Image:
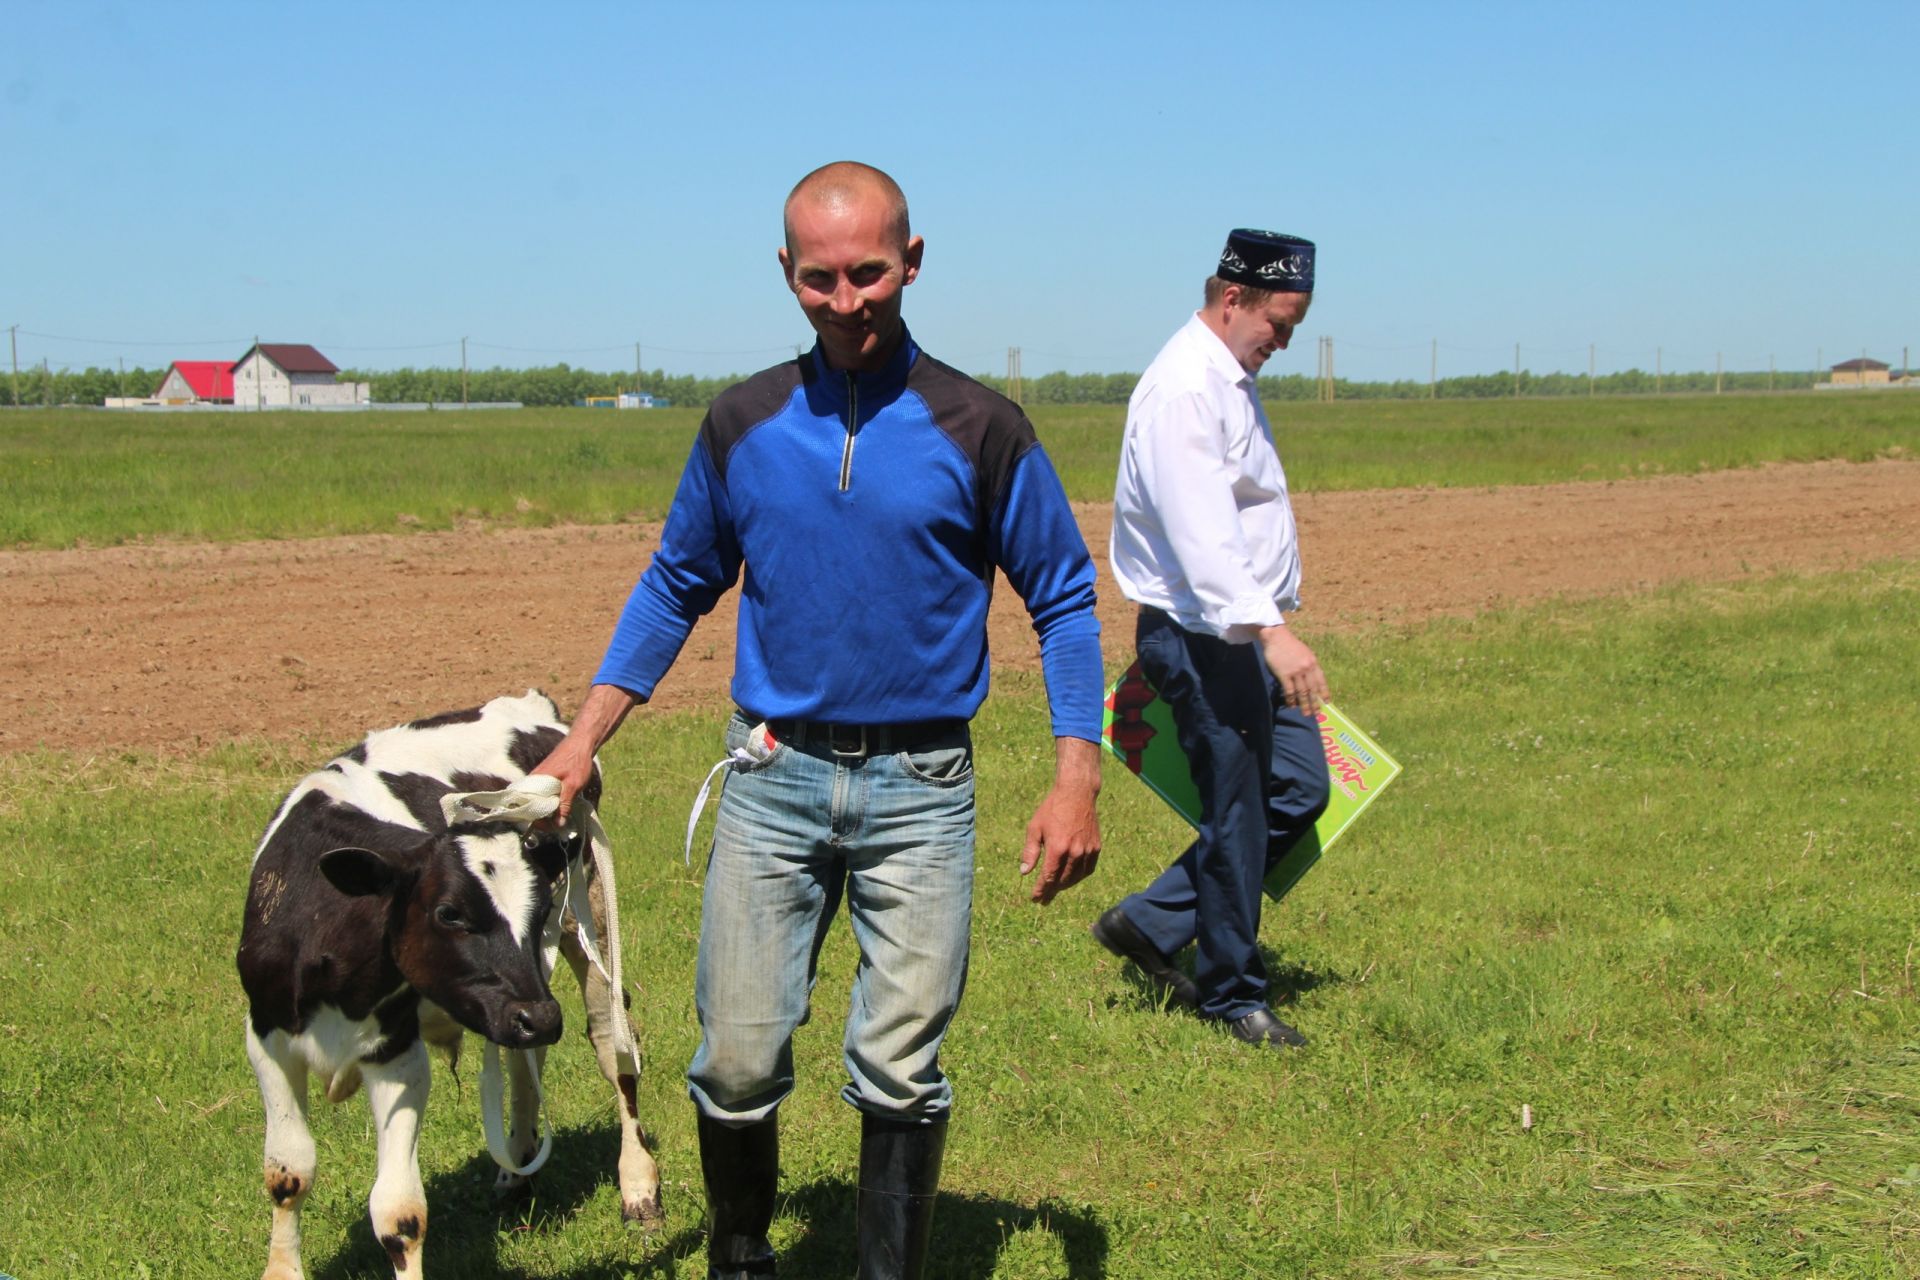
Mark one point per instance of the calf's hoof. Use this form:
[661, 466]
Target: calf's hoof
[645, 1210]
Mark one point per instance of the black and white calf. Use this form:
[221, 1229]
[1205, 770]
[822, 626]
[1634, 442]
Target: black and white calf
[375, 928]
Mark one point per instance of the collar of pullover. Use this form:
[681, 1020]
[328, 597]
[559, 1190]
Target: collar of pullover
[882, 384]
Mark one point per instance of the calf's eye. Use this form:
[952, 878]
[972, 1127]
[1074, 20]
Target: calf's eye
[449, 917]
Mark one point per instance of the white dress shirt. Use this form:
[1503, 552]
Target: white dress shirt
[1202, 528]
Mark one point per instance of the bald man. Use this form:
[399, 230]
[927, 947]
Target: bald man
[867, 494]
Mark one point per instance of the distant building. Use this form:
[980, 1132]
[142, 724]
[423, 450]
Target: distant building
[640, 400]
[196, 382]
[1861, 372]
[288, 375]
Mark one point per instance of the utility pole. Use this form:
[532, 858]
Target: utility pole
[13, 341]
[636, 367]
[1589, 369]
[123, 377]
[463, 373]
[1016, 390]
[1769, 372]
[46, 383]
[259, 383]
[1656, 371]
[1433, 372]
[1716, 373]
[1516, 368]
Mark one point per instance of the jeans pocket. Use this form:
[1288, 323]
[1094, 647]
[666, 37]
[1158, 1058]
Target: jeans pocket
[764, 748]
[939, 766]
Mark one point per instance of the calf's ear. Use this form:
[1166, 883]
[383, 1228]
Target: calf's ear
[359, 873]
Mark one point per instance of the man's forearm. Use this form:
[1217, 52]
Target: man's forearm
[1076, 765]
[605, 706]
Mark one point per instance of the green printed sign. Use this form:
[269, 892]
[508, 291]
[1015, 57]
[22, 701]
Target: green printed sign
[1138, 729]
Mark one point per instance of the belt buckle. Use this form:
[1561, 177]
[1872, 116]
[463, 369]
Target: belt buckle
[834, 741]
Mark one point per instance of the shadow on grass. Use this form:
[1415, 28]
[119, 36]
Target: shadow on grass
[465, 1217]
[466, 1221]
[1286, 981]
[969, 1232]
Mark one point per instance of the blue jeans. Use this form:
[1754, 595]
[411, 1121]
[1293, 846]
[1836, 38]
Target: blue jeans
[894, 834]
[1262, 774]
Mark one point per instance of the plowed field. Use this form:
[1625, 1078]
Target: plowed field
[184, 645]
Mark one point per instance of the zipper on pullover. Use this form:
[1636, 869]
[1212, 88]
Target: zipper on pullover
[853, 424]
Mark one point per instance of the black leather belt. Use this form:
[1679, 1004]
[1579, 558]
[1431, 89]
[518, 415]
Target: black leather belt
[858, 741]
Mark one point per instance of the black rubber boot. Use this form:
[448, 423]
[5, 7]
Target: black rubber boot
[741, 1167]
[899, 1176]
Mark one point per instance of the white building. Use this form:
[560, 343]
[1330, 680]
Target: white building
[288, 375]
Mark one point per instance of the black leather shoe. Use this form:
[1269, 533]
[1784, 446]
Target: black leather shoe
[1116, 933]
[1262, 1028]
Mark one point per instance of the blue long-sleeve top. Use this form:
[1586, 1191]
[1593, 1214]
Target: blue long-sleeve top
[869, 512]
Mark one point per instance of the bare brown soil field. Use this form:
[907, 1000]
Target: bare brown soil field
[180, 646]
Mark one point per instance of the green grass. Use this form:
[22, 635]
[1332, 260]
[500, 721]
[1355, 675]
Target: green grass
[1650, 871]
[96, 477]
[76, 477]
[1463, 443]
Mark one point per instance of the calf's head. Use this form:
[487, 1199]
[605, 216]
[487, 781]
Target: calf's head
[464, 917]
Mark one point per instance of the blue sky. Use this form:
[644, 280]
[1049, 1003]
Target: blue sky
[557, 182]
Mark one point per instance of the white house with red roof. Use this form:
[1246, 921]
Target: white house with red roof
[196, 382]
[291, 375]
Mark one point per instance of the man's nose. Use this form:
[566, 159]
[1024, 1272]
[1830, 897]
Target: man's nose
[845, 300]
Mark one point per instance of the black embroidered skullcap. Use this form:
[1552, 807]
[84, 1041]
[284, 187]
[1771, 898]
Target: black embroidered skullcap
[1267, 260]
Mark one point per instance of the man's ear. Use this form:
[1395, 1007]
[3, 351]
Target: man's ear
[786, 266]
[916, 248]
[360, 873]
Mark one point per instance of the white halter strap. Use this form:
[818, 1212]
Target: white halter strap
[535, 797]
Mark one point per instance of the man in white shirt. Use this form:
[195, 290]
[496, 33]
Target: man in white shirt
[1204, 542]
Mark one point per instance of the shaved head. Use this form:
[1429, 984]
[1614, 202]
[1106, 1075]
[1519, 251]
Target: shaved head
[846, 183]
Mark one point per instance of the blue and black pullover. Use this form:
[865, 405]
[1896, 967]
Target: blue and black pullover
[870, 512]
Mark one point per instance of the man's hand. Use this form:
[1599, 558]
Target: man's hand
[605, 707]
[1302, 683]
[1064, 828]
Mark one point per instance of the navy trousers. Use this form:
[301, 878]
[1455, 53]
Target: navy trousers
[1262, 775]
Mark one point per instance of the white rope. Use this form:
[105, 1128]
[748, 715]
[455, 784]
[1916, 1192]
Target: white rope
[493, 1112]
[533, 798]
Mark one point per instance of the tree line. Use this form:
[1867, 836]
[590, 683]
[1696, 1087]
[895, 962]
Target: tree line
[1116, 388]
[561, 384]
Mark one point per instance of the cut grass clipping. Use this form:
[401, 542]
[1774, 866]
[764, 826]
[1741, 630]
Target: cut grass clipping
[1648, 879]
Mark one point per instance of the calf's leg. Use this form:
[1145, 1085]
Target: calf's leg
[282, 1074]
[639, 1176]
[397, 1093]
